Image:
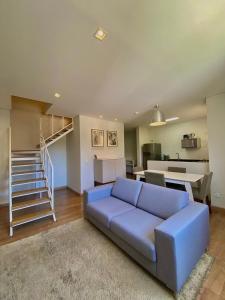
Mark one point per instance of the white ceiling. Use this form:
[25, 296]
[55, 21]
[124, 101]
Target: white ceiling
[166, 52]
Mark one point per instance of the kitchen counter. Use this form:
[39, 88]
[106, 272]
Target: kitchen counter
[186, 160]
[195, 167]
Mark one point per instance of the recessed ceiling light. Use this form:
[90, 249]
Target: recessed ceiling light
[136, 112]
[172, 119]
[100, 34]
[100, 116]
[115, 119]
[57, 95]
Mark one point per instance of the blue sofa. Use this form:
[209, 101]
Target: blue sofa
[158, 227]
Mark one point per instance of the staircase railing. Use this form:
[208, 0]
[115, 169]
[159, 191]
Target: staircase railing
[53, 128]
[48, 171]
[65, 127]
[10, 182]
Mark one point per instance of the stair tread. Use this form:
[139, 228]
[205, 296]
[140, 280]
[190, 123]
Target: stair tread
[28, 180]
[29, 203]
[29, 192]
[26, 159]
[31, 217]
[27, 172]
[25, 150]
[25, 163]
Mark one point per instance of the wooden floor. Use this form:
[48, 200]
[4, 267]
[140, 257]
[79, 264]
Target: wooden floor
[214, 285]
[69, 207]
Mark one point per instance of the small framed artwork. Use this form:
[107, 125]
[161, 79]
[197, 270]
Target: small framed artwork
[97, 138]
[112, 139]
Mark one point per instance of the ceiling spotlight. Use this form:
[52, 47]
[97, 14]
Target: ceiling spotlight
[158, 118]
[136, 112]
[115, 119]
[100, 34]
[101, 116]
[57, 95]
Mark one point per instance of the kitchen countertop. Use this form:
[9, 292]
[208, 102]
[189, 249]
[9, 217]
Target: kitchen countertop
[192, 166]
[184, 160]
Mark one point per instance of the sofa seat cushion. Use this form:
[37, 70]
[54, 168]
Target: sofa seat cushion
[136, 227]
[105, 209]
[160, 201]
[127, 190]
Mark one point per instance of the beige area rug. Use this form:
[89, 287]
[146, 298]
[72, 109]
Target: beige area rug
[76, 261]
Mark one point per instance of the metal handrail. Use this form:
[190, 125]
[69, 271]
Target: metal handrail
[10, 183]
[70, 124]
[47, 162]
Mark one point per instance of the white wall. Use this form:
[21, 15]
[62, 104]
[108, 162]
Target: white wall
[4, 154]
[81, 153]
[5, 105]
[216, 131]
[88, 152]
[130, 144]
[73, 157]
[170, 137]
[5, 99]
[143, 136]
[58, 155]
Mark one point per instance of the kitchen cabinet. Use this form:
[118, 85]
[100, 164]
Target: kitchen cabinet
[107, 169]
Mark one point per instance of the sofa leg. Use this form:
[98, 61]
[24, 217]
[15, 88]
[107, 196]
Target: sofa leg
[208, 202]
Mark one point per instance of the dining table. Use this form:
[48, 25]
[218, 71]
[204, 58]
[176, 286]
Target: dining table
[185, 179]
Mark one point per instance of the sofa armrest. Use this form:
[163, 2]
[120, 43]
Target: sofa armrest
[180, 242]
[97, 193]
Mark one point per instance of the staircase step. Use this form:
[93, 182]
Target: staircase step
[25, 164]
[26, 218]
[18, 173]
[22, 158]
[27, 181]
[29, 192]
[30, 203]
[26, 151]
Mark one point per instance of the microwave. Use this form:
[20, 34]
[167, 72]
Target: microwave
[193, 143]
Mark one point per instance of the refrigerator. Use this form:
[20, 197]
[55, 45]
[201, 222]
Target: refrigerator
[151, 151]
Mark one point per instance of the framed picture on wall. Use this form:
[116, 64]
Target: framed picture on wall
[112, 139]
[97, 138]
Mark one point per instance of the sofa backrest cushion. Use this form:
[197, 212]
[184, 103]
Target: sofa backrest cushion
[127, 190]
[160, 201]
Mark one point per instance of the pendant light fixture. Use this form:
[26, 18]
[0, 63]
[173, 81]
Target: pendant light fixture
[158, 118]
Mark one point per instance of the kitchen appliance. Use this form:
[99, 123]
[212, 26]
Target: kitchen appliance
[189, 136]
[191, 143]
[151, 151]
[129, 166]
[166, 157]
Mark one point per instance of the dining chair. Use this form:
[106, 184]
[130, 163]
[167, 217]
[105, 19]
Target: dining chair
[174, 185]
[177, 169]
[138, 169]
[155, 178]
[202, 193]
